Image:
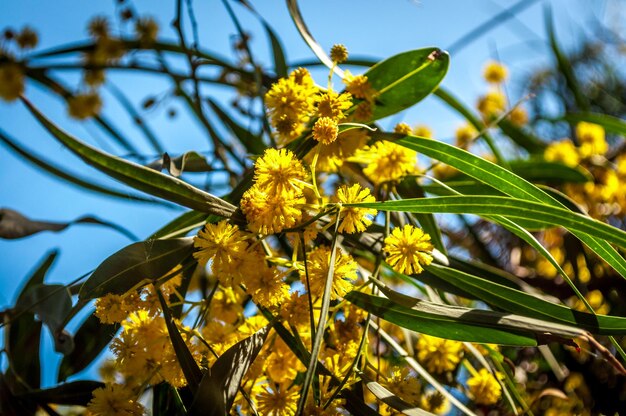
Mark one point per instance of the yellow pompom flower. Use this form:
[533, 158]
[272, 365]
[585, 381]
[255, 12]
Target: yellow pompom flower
[386, 161]
[359, 86]
[436, 403]
[563, 151]
[114, 400]
[332, 156]
[408, 249]
[98, 27]
[147, 30]
[267, 287]
[271, 213]
[354, 219]
[422, 130]
[404, 385]
[484, 388]
[338, 54]
[11, 81]
[402, 128]
[223, 244]
[495, 72]
[332, 105]
[464, 135]
[437, 354]
[325, 130]
[280, 400]
[318, 264]
[84, 106]
[592, 139]
[518, 116]
[278, 170]
[111, 309]
[491, 104]
[27, 38]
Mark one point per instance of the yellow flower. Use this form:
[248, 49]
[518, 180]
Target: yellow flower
[282, 366]
[332, 105]
[98, 27]
[271, 213]
[408, 249]
[27, 38]
[484, 388]
[296, 311]
[495, 72]
[83, 106]
[491, 104]
[223, 244]
[325, 130]
[386, 161]
[354, 219]
[592, 139]
[11, 81]
[279, 400]
[318, 263]
[147, 30]
[267, 288]
[422, 130]
[359, 86]
[437, 354]
[332, 156]
[563, 151]
[435, 402]
[464, 135]
[111, 309]
[404, 385]
[338, 54]
[114, 400]
[290, 102]
[518, 116]
[278, 170]
[403, 128]
[227, 304]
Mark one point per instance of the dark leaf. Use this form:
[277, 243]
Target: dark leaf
[74, 393]
[14, 225]
[89, 342]
[137, 176]
[146, 260]
[220, 384]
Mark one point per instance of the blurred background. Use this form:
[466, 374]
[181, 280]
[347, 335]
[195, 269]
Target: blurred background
[473, 32]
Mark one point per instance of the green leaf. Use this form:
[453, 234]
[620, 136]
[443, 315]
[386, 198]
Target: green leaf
[539, 170]
[187, 363]
[77, 393]
[252, 142]
[521, 303]
[137, 176]
[459, 323]
[14, 225]
[186, 221]
[405, 79]
[71, 177]
[508, 207]
[564, 65]
[501, 179]
[219, 386]
[455, 104]
[143, 261]
[610, 123]
[439, 322]
[89, 341]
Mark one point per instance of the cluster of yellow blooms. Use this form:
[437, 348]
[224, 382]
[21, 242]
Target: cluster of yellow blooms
[247, 262]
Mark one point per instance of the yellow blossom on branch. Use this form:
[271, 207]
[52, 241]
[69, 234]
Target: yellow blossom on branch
[484, 388]
[408, 249]
[354, 219]
[437, 354]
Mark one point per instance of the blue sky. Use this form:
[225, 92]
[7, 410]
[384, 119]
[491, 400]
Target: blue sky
[368, 28]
